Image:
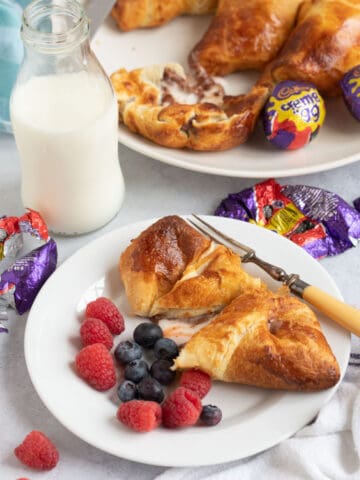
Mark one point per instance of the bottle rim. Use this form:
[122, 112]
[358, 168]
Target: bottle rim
[54, 25]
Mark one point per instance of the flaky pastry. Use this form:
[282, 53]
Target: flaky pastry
[162, 104]
[130, 14]
[245, 34]
[266, 340]
[324, 45]
[171, 270]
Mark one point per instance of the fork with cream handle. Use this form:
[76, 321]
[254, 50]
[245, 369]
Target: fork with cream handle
[345, 315]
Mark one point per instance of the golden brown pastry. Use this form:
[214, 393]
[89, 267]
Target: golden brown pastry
[266, 340]
[245, 34]
[162, 104]
[323, 47]
[130, 14]
[171, 270]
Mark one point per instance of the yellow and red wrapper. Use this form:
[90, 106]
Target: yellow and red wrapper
[293, 115]
[317, 220]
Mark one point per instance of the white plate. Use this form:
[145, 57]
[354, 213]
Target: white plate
[337, 144]
[253, 419]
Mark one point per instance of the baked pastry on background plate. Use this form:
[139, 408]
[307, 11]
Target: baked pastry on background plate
[130, 14]
[322, 48]
[245, 34]
[171, 270]
[264, 339]
[168, 107]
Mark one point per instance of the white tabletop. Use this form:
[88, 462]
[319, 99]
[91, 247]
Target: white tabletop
[153, 189]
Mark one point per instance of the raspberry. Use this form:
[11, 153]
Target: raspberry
[94, 330]
[104, 309]
[95, 365]
[197, 381]
[37, 451]
[181, 409]
[140, 415]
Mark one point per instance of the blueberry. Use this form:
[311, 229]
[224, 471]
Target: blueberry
[150, 389]
[146, 334]
[127, 391]
[166, 348]
[160, 370]
[210, 415]
[136, 370]
[127, 351]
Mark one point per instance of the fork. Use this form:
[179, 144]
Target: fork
[345, 315]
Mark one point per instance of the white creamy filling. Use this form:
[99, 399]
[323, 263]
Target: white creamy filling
[182, 330]
[179, 95]
[186, 90]
[196, 272]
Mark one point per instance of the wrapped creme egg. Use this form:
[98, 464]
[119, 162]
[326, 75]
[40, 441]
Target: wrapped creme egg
[350, 85]
[293, 114]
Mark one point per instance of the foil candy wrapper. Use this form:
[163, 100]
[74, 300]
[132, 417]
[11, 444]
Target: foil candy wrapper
[350, 85]
[13, 228]
[319, 221]
[21, 281]
[357, 204]
[293, 115]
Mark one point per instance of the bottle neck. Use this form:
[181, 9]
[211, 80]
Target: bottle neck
[55, 27]
[67, 60]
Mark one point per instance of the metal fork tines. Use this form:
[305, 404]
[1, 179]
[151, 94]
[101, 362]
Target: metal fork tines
[249, 252]
[247, 255]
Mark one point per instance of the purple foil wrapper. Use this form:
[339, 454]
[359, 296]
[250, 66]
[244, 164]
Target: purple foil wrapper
[340, 221]
[350, 85]
[357, 204]
[20, 283]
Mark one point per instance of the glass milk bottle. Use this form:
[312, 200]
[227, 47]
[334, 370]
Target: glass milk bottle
[64, 117]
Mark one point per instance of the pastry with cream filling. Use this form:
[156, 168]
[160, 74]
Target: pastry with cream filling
[172, 271]
[174, 110]
[266, 340]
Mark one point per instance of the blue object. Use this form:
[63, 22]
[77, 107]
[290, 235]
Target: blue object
[147, 334]
[11, 54]
[165, 348]
[127, 352]
[127, 391]
[136, 371]
[150, 389]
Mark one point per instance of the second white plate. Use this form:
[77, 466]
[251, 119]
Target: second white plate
[337, 144]
[254, 419]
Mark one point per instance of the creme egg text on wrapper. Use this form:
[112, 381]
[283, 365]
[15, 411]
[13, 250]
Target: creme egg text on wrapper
[293, 115]
[350, 85]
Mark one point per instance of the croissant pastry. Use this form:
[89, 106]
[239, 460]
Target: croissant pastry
[245, 34]
[324, 45]
[266, 340]
[162, 104]
[171, 270]
[131, 14]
